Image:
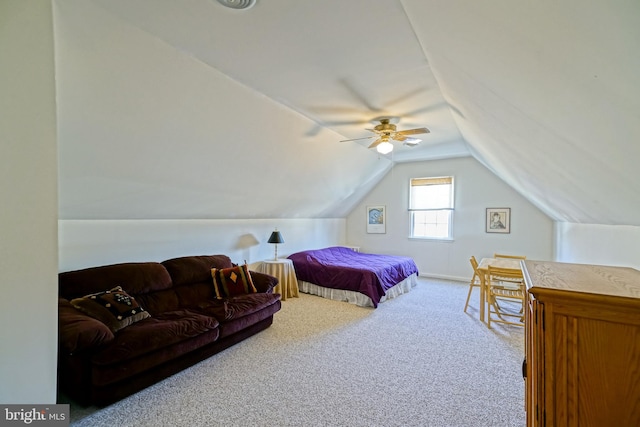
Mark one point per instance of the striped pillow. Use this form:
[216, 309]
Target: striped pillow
[228, 282]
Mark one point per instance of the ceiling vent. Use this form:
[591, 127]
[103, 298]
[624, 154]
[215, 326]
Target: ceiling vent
[237, 4]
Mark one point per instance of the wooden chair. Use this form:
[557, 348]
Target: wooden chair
[507, 279]
[509, 256]
[507, 286]
[475, 280]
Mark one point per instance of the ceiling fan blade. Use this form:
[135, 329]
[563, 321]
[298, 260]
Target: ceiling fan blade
[337, 110]
[358, 139]
[426, 109]
[375, 143]
[343, 122]
[406, 96]
[413, 131]
[314, 131]
[357, 93]
[456, 110]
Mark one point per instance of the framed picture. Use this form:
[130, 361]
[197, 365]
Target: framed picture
[498, 220]
[376, 219]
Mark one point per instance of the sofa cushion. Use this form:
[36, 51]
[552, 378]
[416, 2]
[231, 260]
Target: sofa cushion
[228, 282]
[160, 301]
[250, 317]
[116, 380]
[77, 331]
[190, 295]
[134, 277]
[238, 306]
[155, 333]
[193, 269]
[115, 308]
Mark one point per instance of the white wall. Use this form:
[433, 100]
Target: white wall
[88, 243]
[476, 189]
[617, 245]
[28, 163]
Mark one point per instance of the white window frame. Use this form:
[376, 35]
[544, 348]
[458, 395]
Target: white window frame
[437, 209]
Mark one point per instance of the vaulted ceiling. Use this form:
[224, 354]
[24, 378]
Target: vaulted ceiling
[189, 109]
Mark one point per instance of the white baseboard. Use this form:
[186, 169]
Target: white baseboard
[445, 277]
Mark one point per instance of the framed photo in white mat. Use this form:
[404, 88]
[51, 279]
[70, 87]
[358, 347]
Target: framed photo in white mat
[376, 219]
[498, 220]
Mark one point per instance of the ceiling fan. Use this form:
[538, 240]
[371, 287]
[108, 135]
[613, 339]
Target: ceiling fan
[386, 132]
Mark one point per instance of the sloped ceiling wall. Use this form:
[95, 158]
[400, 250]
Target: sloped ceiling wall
[549, 97]
[187, 109]
[148, 131]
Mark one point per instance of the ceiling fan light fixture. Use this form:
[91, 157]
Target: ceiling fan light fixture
[238, 4]
[385, 147]
[387, 131]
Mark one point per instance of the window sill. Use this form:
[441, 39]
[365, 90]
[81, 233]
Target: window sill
[433, 239]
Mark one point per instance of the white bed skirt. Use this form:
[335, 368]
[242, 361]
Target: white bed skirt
[356, 297]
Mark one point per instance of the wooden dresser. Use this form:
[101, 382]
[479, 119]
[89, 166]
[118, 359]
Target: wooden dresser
[582, 345]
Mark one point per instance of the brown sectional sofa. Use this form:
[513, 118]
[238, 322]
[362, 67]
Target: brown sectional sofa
[187, 324]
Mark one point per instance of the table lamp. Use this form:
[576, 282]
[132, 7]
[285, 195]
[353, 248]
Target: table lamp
[276, 238]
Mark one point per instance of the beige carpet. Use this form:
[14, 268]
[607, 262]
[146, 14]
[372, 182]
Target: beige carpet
[416, 360]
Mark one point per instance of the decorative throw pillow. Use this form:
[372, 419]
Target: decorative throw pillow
[115, 308]
[228, 282]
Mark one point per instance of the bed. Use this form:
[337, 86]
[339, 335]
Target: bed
[363, 279]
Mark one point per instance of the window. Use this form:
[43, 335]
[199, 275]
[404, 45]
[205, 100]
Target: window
[431, 207]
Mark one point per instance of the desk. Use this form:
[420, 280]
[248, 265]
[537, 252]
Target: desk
[483, 271]
[284, 271]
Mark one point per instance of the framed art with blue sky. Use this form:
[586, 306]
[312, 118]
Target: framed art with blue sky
[376, 219]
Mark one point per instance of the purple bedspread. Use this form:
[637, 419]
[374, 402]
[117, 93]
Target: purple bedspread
[342, 268]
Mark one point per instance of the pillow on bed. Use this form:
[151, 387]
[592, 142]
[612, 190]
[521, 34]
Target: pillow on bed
[228, 282]
[115, 308]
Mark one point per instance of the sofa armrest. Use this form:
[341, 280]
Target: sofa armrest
[77, 331]
[263, 282]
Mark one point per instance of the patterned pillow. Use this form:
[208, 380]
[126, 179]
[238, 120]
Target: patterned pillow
[228, 282]
[115, 308]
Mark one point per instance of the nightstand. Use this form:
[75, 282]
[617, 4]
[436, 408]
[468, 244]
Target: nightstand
[284, 271]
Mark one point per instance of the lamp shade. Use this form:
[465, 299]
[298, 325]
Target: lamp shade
[276, 237]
